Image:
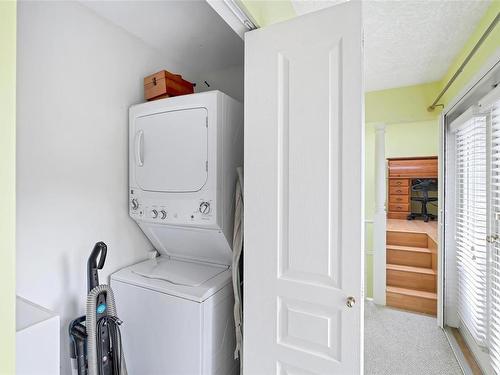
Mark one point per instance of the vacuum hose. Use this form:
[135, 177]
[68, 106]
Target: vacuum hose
[91, 326]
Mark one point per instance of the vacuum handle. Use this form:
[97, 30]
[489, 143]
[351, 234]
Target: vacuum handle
[80, 358]
[101, 249]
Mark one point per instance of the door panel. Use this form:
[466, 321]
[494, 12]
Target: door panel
[171, 151]
[303, 192]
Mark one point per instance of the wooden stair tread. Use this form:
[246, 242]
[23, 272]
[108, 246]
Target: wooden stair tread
[409, 248]
[407, 239]
[397, 267]
[411, 292]
[407, 230]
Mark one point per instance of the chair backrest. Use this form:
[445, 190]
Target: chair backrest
[424, 186]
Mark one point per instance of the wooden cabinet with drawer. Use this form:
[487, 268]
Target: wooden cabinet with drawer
[399, 207]
[398, 182]
[401, 173]
[399, 190]
[399, 198]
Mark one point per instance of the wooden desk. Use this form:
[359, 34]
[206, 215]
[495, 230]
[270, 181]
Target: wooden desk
[401, 172]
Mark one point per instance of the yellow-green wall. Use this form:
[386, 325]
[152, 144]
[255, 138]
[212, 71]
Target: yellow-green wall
[490, 48]
[268, 12]
[419, 138]
[402, 104]
[7, 184]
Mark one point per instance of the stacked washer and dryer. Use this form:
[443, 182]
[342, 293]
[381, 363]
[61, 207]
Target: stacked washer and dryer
[178, 307]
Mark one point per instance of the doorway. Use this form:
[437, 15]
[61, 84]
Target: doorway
[402, 159]
[463, 243]
[402, 181]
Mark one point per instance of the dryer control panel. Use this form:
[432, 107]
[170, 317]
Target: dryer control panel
[186, 212]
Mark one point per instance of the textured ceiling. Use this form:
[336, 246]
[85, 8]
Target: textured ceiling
[189, 32]
[407, 42]
[412, 41]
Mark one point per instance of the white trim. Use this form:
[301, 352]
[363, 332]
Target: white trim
[487, 67]
[457, 351]
[447, 262]
[447, 314]
[379, 218]
[480, 355]
[463, 118]
[490, 99]
[447, 310]
[235, 15]
[441, 234]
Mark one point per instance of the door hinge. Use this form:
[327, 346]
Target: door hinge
[206, 122]
[206, 165]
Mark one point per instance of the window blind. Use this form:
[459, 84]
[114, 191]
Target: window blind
[472, 225]
[494, 265]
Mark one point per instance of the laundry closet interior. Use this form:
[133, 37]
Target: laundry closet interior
[89, 170]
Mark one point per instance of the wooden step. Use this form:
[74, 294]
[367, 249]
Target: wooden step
[409, 256]
[413, 300]
[398, 215]
[416, 278]
[414, 239]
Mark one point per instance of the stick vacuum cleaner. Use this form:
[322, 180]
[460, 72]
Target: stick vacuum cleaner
[95, 339]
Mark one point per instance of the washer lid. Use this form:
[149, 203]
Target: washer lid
[178, 272]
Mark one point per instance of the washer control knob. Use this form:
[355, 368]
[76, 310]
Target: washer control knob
[154, 214]
[135, 204]
[204, 207]
[163, 214]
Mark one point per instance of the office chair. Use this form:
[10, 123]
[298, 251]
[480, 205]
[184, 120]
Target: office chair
[423, 186]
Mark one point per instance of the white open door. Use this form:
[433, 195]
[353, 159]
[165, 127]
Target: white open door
[303, 289]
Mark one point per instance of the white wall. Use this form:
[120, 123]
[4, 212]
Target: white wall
[77, 76]
[228, 80]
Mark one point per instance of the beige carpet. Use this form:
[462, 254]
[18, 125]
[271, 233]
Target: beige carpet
[403, 343]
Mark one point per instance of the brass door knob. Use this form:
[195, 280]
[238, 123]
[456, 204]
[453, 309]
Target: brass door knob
[493, 238]
[350, 302]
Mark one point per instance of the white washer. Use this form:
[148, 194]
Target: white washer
[177, 309]
[177, 317]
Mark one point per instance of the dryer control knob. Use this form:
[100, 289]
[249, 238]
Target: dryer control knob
[154, 214]
[135, 204]
[204, 207]
[163, 214]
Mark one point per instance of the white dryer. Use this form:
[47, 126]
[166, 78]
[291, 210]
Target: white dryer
[178, 308]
